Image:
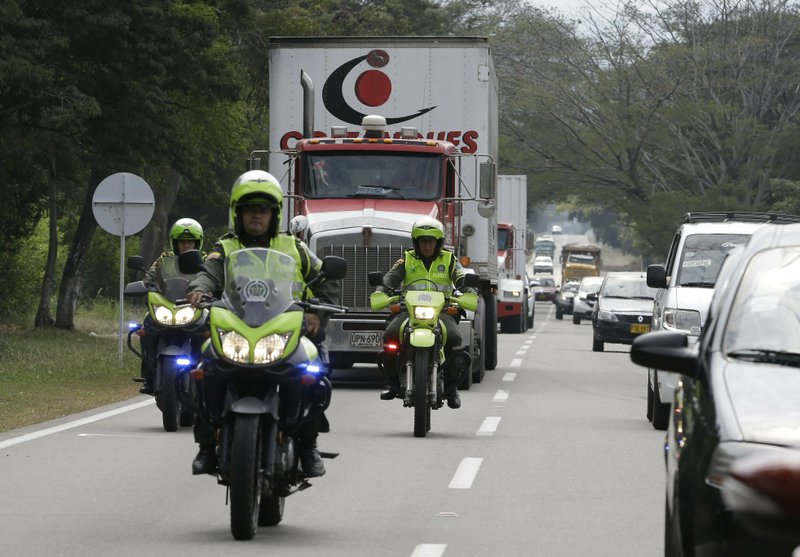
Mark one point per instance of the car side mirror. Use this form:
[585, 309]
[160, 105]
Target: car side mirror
[190, 262]
[136, 263]
[334, 267]
[656, 276]
[591, 296]
[375, 278]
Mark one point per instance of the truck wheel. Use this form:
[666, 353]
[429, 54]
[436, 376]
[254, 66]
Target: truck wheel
[490, 331]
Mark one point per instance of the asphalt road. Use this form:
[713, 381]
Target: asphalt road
[550, 455]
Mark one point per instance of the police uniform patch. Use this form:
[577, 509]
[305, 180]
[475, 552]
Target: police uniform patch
[440, 268]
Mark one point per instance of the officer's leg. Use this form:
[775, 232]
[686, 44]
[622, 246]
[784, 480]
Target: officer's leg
[147, 344]
[207, 393]
[457, 362]
[389, 361]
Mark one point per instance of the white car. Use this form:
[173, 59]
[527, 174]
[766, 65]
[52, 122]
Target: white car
[686, 285]
[582, 306]
[543, 264]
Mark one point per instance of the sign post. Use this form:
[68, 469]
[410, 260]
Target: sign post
[123, 204]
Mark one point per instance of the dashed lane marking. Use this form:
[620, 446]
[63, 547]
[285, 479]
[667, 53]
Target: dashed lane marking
[429, 550]
[489, 426]
[516, 362]
[510, 376]
[466, 473]
[500, 396]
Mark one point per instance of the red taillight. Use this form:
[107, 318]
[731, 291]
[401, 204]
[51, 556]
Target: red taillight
[197, 374]
[391, 347]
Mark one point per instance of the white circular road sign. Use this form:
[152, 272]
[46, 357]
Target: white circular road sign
[123, 204]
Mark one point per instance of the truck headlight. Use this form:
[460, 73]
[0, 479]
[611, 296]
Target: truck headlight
[687, 320]
[424, 312]
[270, 348]
[234, 346]
[513, 293]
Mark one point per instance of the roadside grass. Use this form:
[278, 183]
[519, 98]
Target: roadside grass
[48, 373]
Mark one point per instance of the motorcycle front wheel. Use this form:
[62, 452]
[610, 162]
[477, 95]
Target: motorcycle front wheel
[245, 482]
[422, 410]
[170, 397]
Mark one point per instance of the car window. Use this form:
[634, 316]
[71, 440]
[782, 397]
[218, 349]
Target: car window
[703, 255]
[547, 282]
[766, 312]
[627, 287]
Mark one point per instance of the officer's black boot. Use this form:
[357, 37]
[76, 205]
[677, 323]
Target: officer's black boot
[452, 396]
[206, 461]
[310, 459]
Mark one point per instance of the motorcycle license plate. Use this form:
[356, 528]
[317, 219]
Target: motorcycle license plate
[640, 328]
[366, 339]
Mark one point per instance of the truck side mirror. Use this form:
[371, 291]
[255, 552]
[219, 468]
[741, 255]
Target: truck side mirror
[375, 278]
[136, 263]
[190, 262]
[656, 276]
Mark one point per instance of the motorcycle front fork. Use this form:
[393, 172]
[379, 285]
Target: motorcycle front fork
[433, 380]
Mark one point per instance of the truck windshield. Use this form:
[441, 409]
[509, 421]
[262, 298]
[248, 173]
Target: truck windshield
[360, 174]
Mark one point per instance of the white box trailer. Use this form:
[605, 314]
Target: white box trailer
[515, 304]
[443, 91]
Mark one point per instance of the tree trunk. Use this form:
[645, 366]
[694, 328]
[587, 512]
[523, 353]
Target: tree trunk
[72, 278]
[43, 315]
[155, 235]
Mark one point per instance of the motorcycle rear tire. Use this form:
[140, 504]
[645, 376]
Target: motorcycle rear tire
[170, 397]
[245, 482]
[422, 410]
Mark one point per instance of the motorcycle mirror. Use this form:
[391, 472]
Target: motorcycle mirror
[334, 267]
[136, 288]
[136, 263]
[471, 280]
[190, 262]
[375, 278]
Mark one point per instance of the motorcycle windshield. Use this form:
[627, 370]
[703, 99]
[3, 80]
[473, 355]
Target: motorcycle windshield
[428, 285]
[260, 284]
[175, 289]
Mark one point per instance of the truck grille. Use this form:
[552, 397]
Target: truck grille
[354, 289]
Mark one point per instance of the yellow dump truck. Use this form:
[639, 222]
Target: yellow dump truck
[579, 260]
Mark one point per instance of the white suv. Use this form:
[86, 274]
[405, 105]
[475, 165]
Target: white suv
[686, 284]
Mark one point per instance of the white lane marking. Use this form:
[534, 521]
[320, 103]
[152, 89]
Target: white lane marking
[429, 550]
[119, 435]
[489, 426]
[466, 473]
[521, 352]
[76, 423]
[516, 362]
[510, 376]
[500, 396]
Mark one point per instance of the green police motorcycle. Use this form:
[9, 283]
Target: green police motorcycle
[422, 341]
[260, 379]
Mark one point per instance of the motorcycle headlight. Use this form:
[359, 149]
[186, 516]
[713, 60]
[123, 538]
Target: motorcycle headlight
[423, 312]
[682, 320]
[163, 315]
[234, 346]
[605, 315]
[270, 348]
[184, 315]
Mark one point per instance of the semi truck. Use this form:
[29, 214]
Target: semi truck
[515, 306]
[367, 134]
